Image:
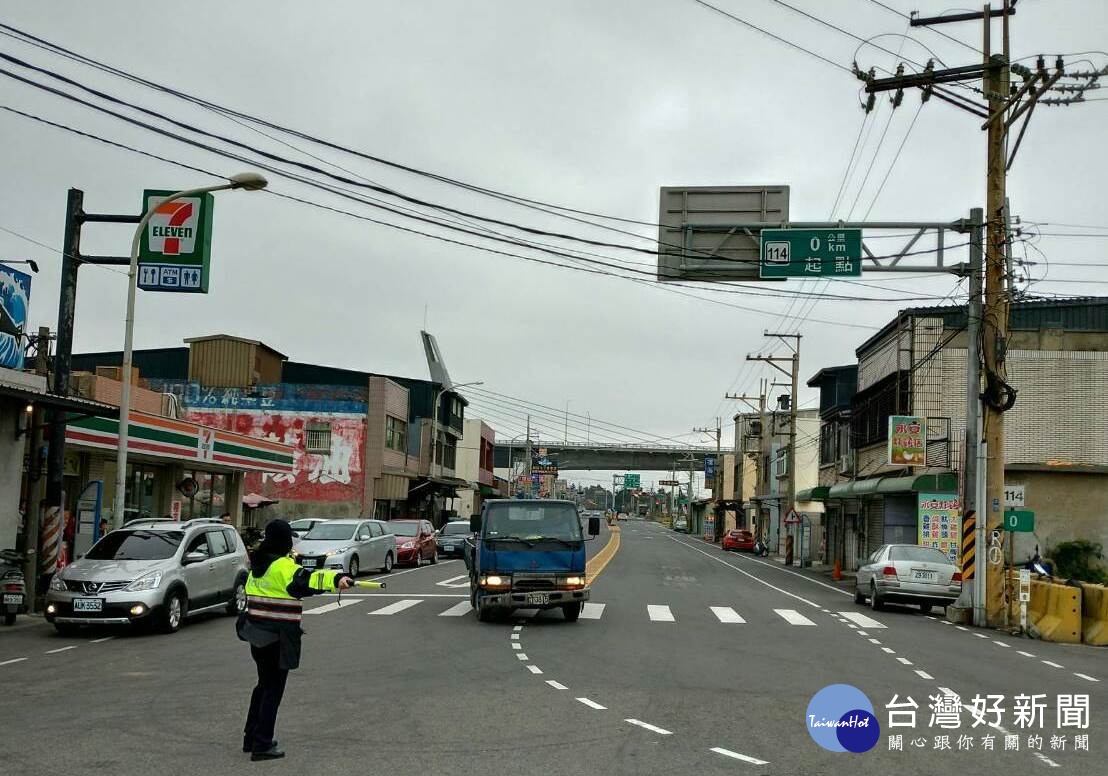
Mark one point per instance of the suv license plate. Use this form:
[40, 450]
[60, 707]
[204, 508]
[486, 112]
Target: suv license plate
[88, 604]
[13, 598]
[538, 598]
[924, 575]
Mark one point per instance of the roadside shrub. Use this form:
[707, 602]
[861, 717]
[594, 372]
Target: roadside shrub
[1080, 560]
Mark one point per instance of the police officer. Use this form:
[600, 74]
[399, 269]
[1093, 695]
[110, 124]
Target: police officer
[271, 625]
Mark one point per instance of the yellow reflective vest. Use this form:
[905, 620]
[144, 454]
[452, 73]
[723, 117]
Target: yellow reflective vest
[276, 595]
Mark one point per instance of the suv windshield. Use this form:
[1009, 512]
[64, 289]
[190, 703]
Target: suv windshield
[455, 529]
[331, 531]
[403, 529]
[136, 545]
[919, 554]
[533, 521]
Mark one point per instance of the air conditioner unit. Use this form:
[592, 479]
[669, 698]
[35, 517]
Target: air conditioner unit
[846, 463]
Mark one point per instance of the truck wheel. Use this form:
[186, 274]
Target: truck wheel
[572, 611]
[484, 613]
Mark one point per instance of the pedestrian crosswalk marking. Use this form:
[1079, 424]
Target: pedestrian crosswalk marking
[793, 617]
[860, 619]
[726, 614]
[658, 613]
[457, 610]
[398, 607]
[332, 606]
[592, 611]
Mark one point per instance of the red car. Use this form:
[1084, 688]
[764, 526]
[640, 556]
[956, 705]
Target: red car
[415, 541]
[738, 539]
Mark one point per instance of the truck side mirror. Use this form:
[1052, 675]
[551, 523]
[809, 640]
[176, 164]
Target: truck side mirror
[594, 526]
[475, 523]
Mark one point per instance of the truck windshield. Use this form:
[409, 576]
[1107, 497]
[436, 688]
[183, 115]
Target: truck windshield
[533, 522]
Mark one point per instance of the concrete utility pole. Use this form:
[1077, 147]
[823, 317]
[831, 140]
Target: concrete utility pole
[718, 431]
[529, 457]
[793, 373]
[972, 475]
[760, 408]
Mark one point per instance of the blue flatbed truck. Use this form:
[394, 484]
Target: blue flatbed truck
[528, 554]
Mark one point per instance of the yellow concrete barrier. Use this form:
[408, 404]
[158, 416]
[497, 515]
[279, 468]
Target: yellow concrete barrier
[1094, 614]
[1055, 612]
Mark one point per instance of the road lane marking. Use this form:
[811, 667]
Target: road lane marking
[875, 641]
[534, 669]
[861, 633]
[101, 640]
[556, 685]
[905, 661]
[393, 595]
[736, 756]
[924, 675]
[392, 574]
[514, 637]
[793, 617]
[517, 628]
[592, 611]
[1083, 676]
[1001, 644]
[852, 625]
[457, 610]
[727, 614]
[399, 606]
[1051, 664]
[651, 728]
[1025, 654]
[981, 635]
[961, 627]
[759, 580]
[889, 651]
[13, 660]
[331, 607]
[1046, 759]
[659, 613]
[522, 656]
[453, 581]
[596, 564]
[863, 620]
[60, 649]
[516, 645]
[591, 704]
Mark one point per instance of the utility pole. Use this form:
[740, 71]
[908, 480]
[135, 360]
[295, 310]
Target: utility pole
[760, 408]
[718, 431]
[530, 492]
[793, 373]
[972, 475]
[1006, 104]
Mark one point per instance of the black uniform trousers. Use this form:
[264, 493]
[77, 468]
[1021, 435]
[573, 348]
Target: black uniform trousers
[266, 697]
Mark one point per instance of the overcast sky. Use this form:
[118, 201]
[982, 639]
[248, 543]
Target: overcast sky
[591, 105]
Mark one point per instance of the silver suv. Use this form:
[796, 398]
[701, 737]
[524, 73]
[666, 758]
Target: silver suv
[151, 571]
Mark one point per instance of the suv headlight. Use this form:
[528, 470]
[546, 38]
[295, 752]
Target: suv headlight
[57, 583]
[146, 582]
[339, 551]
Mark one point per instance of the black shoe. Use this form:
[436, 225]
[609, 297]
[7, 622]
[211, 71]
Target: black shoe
[248, 747]
[273, 753]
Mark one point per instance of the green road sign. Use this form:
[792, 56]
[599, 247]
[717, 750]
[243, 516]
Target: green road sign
[1019, 520]
[630, 480]
[811, 253]
[175, 250]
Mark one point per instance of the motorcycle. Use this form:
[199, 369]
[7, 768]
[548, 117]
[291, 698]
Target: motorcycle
[760, 549]
[13, 591]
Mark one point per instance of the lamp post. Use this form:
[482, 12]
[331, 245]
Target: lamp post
[248, 181]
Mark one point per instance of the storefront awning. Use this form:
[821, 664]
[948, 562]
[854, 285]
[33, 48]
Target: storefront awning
[31, 388]
[923, 483]
[813, 494]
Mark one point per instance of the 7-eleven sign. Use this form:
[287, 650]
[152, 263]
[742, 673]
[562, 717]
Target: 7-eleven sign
[175, 251]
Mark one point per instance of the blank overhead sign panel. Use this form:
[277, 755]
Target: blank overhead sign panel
[700, 234]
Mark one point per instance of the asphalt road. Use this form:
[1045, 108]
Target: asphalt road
[651, 680]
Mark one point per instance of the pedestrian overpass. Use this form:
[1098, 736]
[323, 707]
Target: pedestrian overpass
[572, 456]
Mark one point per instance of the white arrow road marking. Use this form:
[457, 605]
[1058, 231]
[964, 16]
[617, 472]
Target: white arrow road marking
[659, 613]
[737, 756]
[457, 610]
[860, 619]
[793, 617]
[399, 606]
[592, 611]
[726, 614]
[651, 728]
[453, 581]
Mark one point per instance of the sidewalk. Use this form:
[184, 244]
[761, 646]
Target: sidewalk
[818, 571]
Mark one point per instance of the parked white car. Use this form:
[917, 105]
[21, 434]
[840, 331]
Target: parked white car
[347, 545]
[908, 574]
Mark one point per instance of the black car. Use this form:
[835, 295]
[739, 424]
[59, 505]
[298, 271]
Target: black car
[452, 538]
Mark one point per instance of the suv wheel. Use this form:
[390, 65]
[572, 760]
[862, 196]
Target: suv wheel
[237, 604]
[173, 611]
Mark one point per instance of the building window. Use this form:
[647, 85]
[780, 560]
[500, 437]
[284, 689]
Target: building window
[450, 454]
[317, 438]
[396, 434]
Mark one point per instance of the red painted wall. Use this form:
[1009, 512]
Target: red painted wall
[338, 477]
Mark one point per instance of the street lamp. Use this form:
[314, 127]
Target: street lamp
[247, 181]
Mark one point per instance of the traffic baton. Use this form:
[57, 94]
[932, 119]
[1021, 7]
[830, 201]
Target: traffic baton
[371, 585]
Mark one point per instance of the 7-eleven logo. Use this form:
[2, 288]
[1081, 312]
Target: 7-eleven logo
[172, 228]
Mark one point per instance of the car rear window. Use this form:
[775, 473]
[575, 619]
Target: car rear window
[919, 554]
[403, 529]
[136, 545]
[455, 529]
[331, 531]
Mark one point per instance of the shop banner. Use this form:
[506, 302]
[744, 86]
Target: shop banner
[907, 441]
[940, 524]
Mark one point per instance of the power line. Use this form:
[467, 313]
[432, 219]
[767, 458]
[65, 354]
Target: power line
[931, 29]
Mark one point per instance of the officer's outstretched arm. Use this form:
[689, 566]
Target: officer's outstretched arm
[305, 583]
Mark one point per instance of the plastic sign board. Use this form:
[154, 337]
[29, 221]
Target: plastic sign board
[710, 467]
[810, 253]
[671, 483]
[15, 299]
[907, 441]
[1015, 496]
[631, 480]
[1019, 520]
[175, 249]
[940, 524]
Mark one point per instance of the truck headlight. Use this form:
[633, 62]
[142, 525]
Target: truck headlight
[57, 583]
[147, 582]
[495, 581]
[574, 582]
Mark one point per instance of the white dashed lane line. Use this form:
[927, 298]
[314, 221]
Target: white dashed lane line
[591, 704]
[651, 728]
[60, 649]
[534, 669]
[736, 756]
[1051, 664]
[905, 661]
[101, 640]
[1086, 677]
[522, 656]
[924, 675]
[556, 685]
[1025, 654]
[13, 660]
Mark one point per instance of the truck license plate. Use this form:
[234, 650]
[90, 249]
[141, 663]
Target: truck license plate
[88, 604]
[538, 598]
[13, 598]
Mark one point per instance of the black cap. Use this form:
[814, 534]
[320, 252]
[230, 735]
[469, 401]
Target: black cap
[278, 537]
